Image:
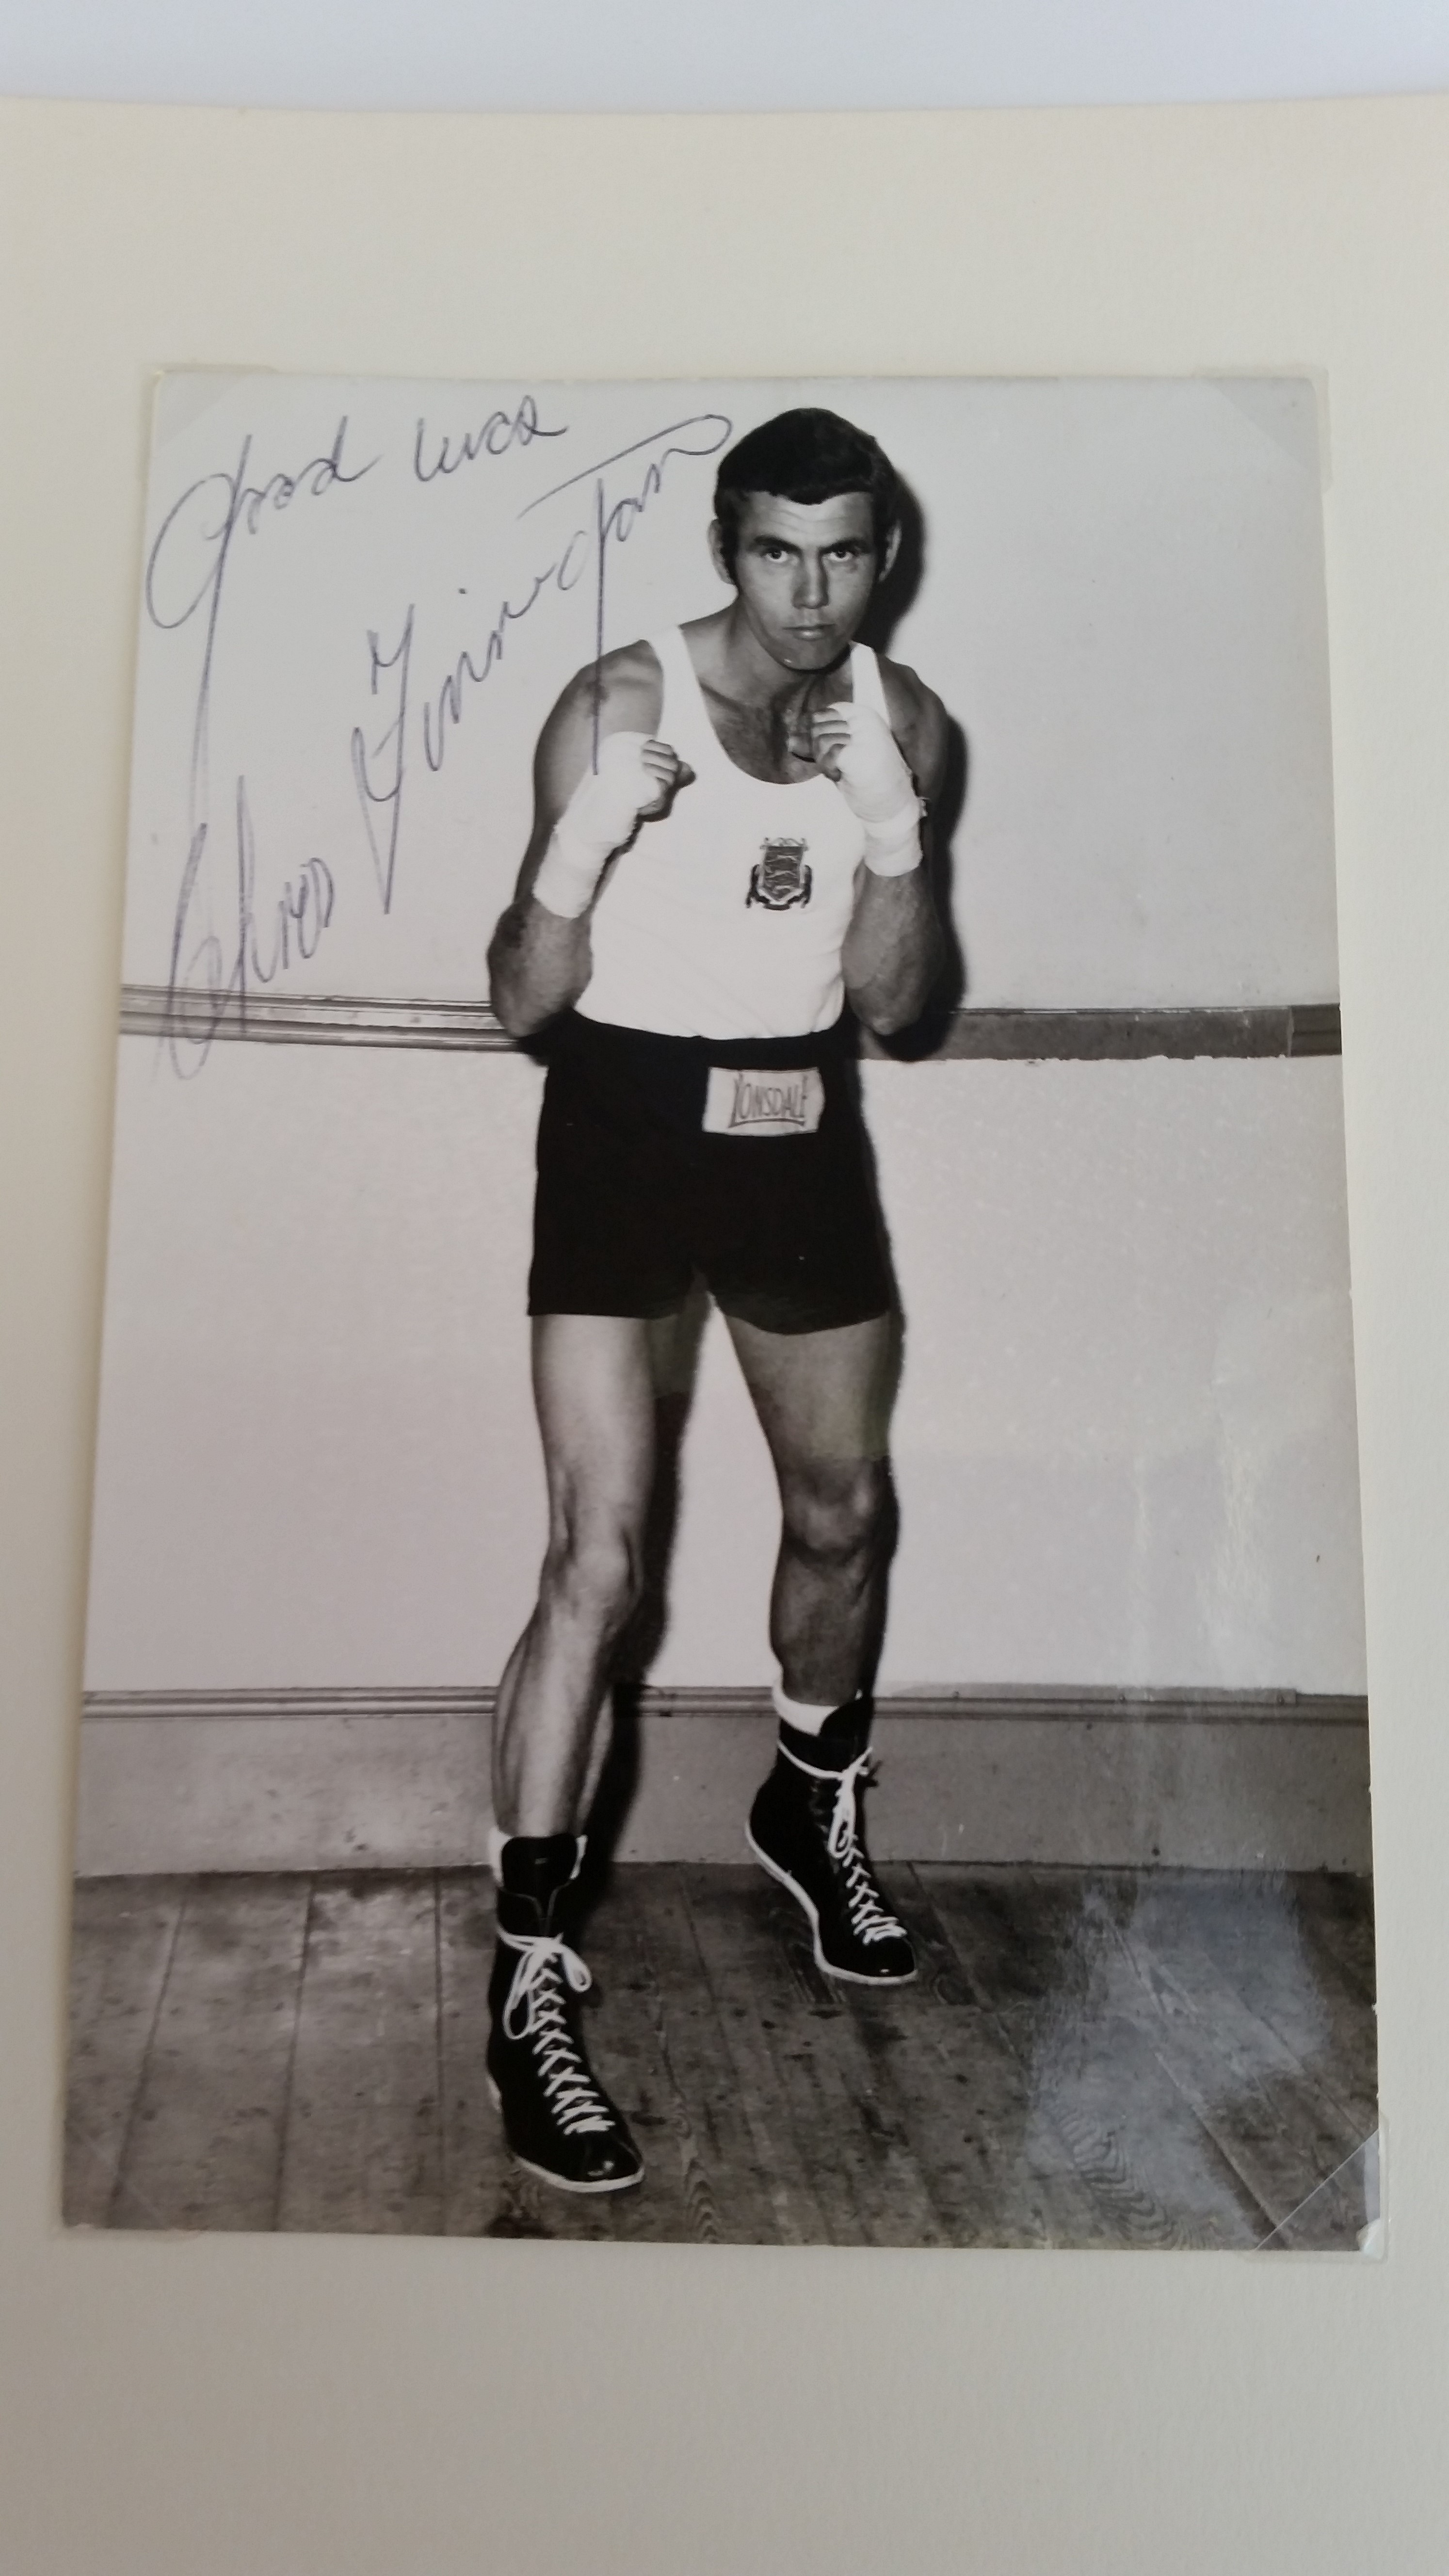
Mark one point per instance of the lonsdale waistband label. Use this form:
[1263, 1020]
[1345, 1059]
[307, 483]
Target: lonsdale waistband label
[749, 1101]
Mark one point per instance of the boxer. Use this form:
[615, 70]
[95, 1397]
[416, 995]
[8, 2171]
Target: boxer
[727, 869]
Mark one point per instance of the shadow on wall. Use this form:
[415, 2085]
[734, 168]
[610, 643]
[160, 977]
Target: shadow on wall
[894, 597]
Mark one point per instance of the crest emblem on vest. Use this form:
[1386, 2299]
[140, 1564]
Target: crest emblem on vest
[779, 878]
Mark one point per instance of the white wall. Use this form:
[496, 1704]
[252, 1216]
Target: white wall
[1124, 1441]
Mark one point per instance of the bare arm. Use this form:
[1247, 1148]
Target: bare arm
[538, 960]
[894, 947]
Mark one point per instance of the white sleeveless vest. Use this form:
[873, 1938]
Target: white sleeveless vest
[726, 919]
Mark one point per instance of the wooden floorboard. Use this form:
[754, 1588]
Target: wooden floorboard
[1337, 1916]
[1086, 2058]
[1256, 1933]
[999, 2177]
[1281, 2129]
[122, 1931]
[702, 1935]
[798, 2046]
[205, 2146]
[733, 2190]
[363, 2144]
[1041, 1947]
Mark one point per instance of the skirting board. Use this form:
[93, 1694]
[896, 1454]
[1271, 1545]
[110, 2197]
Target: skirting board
[312, 1779]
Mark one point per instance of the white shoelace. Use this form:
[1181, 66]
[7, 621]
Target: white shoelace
[869, 1918]
[535, 2010]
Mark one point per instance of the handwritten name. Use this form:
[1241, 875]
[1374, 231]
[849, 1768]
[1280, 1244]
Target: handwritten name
[612, 521]
[704, 433]
[382, 802]
[470, 669]
[186, 572]
[299, 916]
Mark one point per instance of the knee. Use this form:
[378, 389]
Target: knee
[594, 1571]
[837, 1516]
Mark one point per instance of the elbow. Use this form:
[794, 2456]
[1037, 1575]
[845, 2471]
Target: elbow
[533, 978]
[518, 1006]
[509, 998]
[512, 1012]
[505, 1002]
[889, 1012]
[894, 996]
[887, 1020]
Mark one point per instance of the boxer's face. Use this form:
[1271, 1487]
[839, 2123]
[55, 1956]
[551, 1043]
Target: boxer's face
[805, 572]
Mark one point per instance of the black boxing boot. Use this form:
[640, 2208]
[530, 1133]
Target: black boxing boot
[805, 1829]
[559, 2122]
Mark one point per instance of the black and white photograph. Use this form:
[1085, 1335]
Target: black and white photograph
[726, 1593]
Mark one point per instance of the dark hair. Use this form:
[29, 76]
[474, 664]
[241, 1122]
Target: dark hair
[804, 456]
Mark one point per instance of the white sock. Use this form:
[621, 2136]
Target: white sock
[799, 1713]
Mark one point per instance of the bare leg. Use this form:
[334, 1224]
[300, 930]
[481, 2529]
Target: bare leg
[823, 1400]
[594, 1393]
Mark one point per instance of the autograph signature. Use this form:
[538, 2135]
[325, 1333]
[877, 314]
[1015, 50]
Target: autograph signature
[301, 915]
[186, 576]
[617, 519]
[185, 581]
[380, 766]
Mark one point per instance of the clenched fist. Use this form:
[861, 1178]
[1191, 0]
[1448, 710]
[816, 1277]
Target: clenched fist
[636, 777]
[856, 748]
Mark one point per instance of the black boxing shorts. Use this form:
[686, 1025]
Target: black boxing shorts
[741, 1162]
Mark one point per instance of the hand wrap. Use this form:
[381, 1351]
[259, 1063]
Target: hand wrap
[598, 819]
[879, 789]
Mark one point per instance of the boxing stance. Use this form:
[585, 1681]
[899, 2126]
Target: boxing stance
[727, 851]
